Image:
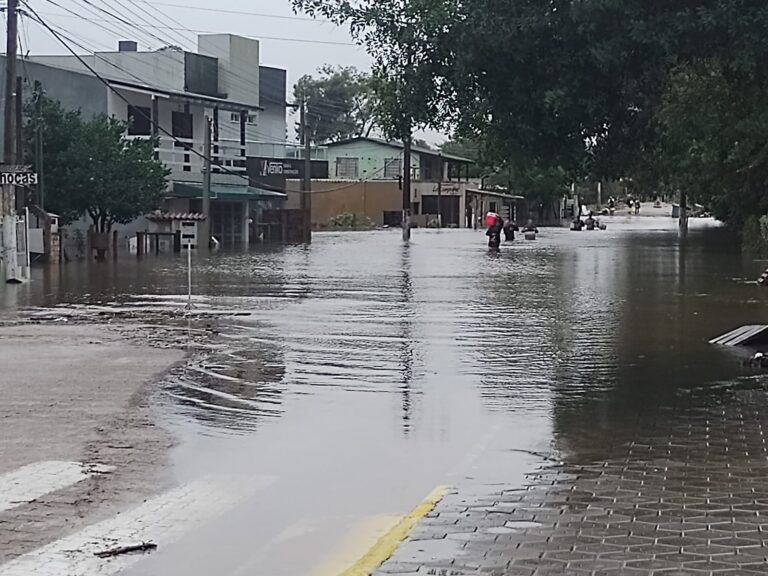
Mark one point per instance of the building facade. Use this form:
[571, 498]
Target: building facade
[169, 94]
[367, 177]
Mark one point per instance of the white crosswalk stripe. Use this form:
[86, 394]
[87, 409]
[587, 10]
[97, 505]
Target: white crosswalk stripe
[35, 480]
[161, 520]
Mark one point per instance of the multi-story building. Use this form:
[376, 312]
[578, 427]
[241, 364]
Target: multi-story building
[169, 93]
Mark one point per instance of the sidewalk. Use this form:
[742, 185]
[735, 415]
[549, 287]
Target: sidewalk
[78, 440]
[686, 496]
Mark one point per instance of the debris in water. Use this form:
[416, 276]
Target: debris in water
[143, 547]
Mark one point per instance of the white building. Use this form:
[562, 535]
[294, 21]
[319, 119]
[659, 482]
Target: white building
[168, 93]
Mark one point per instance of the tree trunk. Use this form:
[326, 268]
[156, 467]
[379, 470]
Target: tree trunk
[101, 240]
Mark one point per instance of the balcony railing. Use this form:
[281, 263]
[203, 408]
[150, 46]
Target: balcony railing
[184, 155]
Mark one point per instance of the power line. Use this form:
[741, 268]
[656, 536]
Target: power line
[238, 12]
[224, 169]
[248, 85]
[243, 83]
[118, 18]
[146, 22]
[259, 37]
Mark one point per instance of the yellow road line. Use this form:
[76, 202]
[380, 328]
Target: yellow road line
[359, 539]
[388, 543]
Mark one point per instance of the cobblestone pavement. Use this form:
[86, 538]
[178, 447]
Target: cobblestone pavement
[687, 495]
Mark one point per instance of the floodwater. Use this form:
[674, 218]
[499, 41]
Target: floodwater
[359, 373]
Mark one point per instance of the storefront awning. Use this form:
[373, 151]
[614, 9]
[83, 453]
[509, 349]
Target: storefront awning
[224, 192]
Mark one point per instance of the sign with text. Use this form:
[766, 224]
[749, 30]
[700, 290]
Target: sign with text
[273, 172]
[18, 178]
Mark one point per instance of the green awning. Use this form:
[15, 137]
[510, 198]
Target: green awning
[224, 192]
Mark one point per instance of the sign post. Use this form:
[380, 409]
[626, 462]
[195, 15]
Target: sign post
[14, 263]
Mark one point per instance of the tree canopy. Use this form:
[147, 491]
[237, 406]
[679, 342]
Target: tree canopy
[666, 93]
[339, 103]
[92, 169]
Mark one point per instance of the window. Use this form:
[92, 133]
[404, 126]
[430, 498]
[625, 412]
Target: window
[139, 121]
[392, 168]
[347, 167]
[235, 117]
[181, 125]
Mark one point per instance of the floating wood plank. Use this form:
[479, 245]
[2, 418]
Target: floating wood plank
[744, 336]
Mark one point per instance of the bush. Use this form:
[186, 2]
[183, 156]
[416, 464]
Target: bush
[348, 221]
[754, 236]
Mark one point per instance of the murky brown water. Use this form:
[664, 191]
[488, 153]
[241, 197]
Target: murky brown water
[366, 372]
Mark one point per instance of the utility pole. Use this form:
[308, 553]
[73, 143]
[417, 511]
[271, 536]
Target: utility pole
[10, 82]
[7, 208]
[39, 144]
[205, 232]
[306, 182]
[440, 193]
[20, 192]
[407, 184]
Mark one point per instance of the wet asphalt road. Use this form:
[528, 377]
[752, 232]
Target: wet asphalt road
[366, 372]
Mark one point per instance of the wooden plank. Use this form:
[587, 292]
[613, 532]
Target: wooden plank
[741, 335]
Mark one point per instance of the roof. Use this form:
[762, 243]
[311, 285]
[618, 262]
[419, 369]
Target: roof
[399, 146]
[496, 193]
[223, 191]
[222, 103]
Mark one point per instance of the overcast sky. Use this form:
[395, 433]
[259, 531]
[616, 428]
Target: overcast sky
[290, 41]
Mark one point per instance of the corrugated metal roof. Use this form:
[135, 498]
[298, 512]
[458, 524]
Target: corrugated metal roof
[399, 146]
[223, 191]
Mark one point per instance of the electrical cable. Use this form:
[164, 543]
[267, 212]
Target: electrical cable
[239, 12]
[37, 18]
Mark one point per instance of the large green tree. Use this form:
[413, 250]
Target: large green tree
[666, 93]
[92, 168]
[338, 103]
[408, 61]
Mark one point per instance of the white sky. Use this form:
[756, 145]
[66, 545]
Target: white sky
[290, 41]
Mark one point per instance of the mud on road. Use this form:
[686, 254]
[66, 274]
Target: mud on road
[79, 437]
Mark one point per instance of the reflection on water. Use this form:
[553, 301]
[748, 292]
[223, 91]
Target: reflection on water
[599, 329]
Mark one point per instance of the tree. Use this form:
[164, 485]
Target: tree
[58, 127]
[409, 58]
[338, 104]
[92, 169]
[666, 93]
[598, 90]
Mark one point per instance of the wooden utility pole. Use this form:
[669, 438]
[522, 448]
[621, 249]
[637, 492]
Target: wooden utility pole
[407, 184]
[20, 192]
[8, 206]
[205, 225]
[10, 82]
[306, 182]
[39, 144]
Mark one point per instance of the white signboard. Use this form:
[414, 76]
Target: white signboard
[18, 178]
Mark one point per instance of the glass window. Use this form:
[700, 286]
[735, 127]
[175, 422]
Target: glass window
[139, 121]
[392, 168]
[235, 117]
[347, 167]
[181, 125]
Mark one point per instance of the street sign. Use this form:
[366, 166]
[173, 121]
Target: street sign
[18, 178]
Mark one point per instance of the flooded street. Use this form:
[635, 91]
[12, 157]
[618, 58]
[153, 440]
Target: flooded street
[347, 380]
